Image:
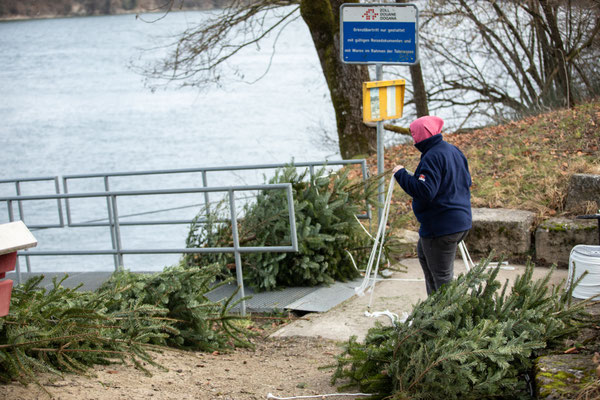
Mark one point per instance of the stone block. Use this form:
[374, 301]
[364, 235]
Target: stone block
[583, 192]
[506, 231]
[563, 376]
[555, 237]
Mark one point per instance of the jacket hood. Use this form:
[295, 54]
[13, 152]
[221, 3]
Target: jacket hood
[425, 127]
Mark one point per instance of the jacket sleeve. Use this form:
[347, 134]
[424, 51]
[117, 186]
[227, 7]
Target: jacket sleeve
[424, 184]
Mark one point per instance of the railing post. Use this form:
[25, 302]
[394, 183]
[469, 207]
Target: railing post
[59, 203]
[67, 205]
[18, 191]
[206, 198]
[111, 222]
[236, 248]
[292, 214]
[115, 215]
[11, 218]
[22, 218]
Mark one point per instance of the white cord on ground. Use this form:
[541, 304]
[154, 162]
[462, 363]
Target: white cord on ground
[393, 317]
[320, 396]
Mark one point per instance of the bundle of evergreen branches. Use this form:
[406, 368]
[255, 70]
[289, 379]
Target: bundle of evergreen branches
[328, 232]
[195, 321]
[67, 330]
[63, 329]
[473, 339]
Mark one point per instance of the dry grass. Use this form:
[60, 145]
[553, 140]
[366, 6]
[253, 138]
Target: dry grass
[523, 164]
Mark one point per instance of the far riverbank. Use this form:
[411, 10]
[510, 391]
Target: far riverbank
[14, 10]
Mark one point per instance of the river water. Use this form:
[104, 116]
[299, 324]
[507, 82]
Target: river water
[71, 104]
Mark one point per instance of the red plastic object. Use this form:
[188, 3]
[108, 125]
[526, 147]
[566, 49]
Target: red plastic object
[7, 263]
[5, 293]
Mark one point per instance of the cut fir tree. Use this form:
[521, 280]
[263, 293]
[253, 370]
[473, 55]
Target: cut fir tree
[473, 339]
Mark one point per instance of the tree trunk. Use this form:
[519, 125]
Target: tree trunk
[419, 92]
[344, 80]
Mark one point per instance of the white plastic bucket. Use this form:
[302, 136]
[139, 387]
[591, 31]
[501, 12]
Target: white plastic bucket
[585, 258]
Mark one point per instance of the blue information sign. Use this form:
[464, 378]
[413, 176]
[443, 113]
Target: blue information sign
[379, 33]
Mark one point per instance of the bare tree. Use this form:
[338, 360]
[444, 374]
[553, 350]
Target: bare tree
[418, 84]
[510, 58]
[198, 56]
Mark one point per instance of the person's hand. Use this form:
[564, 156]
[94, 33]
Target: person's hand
[397, 168]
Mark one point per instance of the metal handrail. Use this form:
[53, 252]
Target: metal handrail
[18, 182]
[205, 170]
[118, 251]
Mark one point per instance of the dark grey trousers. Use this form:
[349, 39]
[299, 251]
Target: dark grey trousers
[436, 256]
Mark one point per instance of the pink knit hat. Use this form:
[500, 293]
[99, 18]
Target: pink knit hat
[425, 127]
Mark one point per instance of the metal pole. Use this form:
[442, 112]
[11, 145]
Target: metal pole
[67, 205]
[11, 218]
[236, 246]
[292, 216]
[111, 224]
[117, 231]
[22, 218]
[206, 198]
[18, 188]
[380, 154]
[59, 203]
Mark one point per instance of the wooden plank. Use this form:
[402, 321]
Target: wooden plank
[15, 236]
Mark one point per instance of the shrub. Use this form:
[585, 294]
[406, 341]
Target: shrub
[328, 232]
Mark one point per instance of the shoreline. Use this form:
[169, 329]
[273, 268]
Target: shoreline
[137, 11]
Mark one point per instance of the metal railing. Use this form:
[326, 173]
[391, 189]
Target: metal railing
[113, 215]
[18, 192]
[311, 165]
[114, 221]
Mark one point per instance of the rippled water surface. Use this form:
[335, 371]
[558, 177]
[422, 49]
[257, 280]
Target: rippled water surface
[70, 104]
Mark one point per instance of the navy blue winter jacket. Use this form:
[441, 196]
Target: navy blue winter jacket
[439, 188]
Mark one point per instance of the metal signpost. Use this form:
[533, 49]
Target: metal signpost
[379, 34]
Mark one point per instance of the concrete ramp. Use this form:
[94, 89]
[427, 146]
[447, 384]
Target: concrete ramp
[305, 299]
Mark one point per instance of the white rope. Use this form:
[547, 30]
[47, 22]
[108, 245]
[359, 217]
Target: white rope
[377, 246]
[465, 255]
[319, 396]
[470, 264]
[383, 226]
[387, 313]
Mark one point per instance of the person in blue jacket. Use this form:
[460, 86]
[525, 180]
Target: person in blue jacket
[441, 200]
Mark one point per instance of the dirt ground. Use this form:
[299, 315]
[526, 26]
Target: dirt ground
[286, 361]
[284, 367]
